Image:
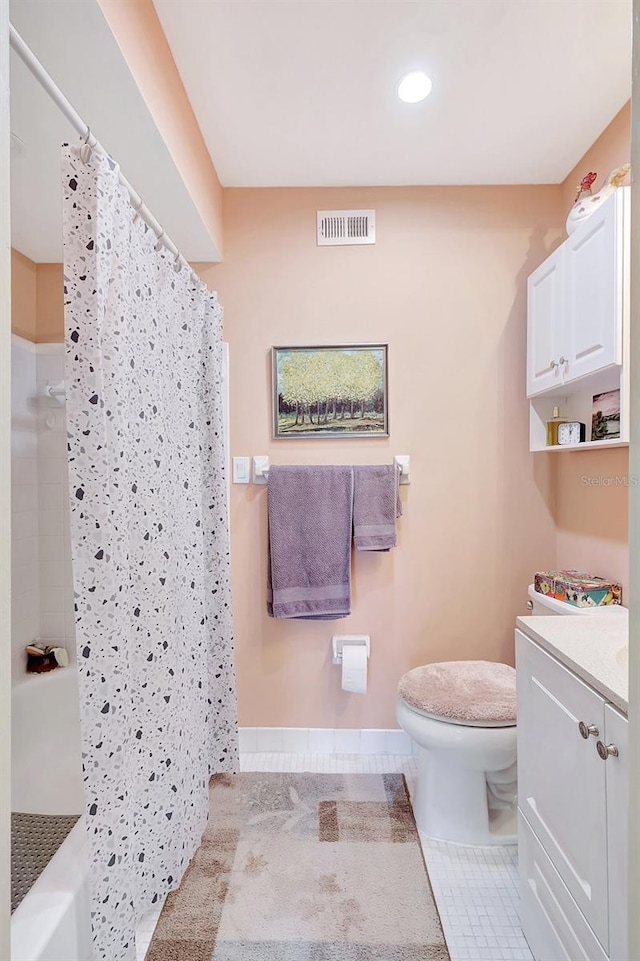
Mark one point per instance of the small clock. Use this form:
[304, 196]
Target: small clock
[571, 432]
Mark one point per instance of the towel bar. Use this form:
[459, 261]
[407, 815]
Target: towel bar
[261, 468]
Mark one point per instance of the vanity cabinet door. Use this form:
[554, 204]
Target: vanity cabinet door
[593, 291]
[561, 778]
[617, 773]
[544, 321]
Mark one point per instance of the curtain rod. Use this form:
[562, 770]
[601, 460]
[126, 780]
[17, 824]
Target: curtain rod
[55, 93]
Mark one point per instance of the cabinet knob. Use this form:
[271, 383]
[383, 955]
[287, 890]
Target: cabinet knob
[588, 729]
[529, 605]
[562, 361]
[606, 750]
[553, 364]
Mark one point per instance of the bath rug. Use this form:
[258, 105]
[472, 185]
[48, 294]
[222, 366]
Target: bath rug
[35, 838]
[304, 867]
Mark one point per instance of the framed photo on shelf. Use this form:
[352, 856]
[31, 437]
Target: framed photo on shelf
[331, 391]
[605, 417]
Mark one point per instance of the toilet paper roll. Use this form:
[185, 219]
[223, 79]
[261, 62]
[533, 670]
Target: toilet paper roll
[354, 668]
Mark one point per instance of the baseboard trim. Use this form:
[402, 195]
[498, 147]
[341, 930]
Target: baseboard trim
[324, 740]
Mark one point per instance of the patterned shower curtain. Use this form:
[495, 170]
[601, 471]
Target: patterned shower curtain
[150, 549]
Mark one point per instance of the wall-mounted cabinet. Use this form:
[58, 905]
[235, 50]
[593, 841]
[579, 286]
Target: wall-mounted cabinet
[577, 325]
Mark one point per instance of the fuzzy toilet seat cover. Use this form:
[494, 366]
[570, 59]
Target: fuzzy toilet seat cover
[466, 692]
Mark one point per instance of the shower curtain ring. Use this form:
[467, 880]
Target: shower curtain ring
[137, 210]
[177, 263]
[159, 245]
[86, 150]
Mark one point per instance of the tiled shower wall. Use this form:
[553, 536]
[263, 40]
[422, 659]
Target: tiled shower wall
[25, 601]
[42, 601]
[56, 584]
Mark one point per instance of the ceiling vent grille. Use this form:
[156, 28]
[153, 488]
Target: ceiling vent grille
[336, 228]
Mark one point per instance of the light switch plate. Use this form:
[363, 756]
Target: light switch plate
[240, 470]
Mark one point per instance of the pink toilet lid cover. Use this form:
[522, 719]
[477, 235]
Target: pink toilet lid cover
[476, 692]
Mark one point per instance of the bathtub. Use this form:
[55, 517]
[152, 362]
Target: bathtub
[53, 921]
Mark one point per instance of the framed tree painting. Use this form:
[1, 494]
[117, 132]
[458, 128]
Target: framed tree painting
[330, 391]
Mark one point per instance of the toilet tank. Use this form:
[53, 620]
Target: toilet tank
[541, 604]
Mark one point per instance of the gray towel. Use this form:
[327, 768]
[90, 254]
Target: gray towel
[376, 504]
[309, 555]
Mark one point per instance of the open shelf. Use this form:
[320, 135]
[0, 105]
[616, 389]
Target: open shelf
[587, 445]
[575, 400]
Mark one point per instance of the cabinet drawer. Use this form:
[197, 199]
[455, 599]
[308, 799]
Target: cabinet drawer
[561, 779]
[552, 923]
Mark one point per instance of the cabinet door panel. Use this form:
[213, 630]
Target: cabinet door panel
[617, 774]
[553, 926]
[544, 317]
[592, 335]
[561, 779]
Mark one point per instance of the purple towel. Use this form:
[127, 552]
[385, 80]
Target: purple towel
[309, 555]
[376, 504]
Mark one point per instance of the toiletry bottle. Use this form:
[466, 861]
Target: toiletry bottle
[552, 427]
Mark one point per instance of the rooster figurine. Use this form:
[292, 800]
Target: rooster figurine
[585, 186]
[586, 202]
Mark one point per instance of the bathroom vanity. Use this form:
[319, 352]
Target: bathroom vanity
[572, 681]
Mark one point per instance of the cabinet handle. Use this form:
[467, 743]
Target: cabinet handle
[529, 605]
[553, 364]
[606, 750]
[587, 729]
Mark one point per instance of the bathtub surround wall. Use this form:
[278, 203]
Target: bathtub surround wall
[57, 619]
[42, 605]
[25, 601]
[149, 536]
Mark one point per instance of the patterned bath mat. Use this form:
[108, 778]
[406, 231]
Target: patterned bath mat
[304, 867]
[35, 838]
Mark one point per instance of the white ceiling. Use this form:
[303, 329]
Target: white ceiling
[302, 92]
[73, 41]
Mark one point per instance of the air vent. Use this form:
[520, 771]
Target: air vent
[337, 228]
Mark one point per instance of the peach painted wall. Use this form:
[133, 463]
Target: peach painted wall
[591, 486]
[50, 303]
[23, 295]
[135, 25]
[445, 287]
[37, 301]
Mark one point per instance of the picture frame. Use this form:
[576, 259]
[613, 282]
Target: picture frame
[605, 415]
[330, 391]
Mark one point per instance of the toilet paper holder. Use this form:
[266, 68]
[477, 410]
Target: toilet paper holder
[339, 640]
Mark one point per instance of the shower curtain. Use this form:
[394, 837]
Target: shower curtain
[150, 552]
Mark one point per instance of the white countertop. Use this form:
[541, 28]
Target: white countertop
[595, 648]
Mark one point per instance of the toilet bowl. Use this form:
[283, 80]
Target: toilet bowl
[465, 790]
[462, 717]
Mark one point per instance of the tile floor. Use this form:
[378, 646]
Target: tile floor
[476, 889]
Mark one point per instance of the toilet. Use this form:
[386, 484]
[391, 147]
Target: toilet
[462, 717]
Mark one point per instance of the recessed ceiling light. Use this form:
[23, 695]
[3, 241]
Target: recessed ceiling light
[414, 87]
